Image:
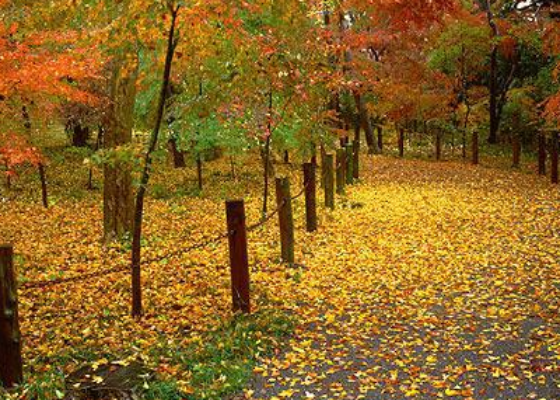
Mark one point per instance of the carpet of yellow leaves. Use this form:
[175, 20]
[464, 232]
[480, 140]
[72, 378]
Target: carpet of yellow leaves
[424, 273]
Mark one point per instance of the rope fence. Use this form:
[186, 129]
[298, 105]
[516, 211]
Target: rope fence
[28, 285]
[236, 234]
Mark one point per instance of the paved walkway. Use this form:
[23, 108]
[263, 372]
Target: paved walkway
[434, 282]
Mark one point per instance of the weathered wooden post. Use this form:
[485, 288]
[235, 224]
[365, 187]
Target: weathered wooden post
[475, 159]
[542, 153]
[340, 176]
[516, 151]
[238, 257]
[11, 371]
[401, 142]
[554, 157]
[328, 168]
[286, 221]
[310, 196]
[356, 159]
[349, 164]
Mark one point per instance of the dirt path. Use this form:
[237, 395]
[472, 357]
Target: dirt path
[438, 281]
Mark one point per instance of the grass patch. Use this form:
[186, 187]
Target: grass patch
[221, 362]
[217, 365]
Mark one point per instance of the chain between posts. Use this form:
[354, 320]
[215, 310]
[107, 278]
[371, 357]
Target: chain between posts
[123, 268]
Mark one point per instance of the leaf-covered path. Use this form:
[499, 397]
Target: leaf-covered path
[437, 281]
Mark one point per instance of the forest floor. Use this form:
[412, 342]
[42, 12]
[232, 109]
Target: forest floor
[429, 280]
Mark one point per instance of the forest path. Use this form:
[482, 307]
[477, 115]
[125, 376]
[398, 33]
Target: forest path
[434, 281]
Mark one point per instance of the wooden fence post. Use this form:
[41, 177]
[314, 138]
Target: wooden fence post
[401, 142]
[554, 158]
[349, 164]
[356, 158]
[328, 168]
[285, 216]
[11, 371]
[475, 159]
[542, 154]
[516, 151]
[310, 196]
[340, 166]
[238, 256]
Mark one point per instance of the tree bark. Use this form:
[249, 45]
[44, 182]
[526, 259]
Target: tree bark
[542, 153]
[199, 172]
[516, 151]
[43, 178]
[118, 200]
[475, 149]
[365, 122]
[493, 103]
[140, 195]
[554, 158]
[80, 135]
[177, 156]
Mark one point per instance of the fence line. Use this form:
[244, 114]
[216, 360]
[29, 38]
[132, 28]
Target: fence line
[25, 286]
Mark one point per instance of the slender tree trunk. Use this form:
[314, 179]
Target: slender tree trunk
[554, 157]
[516, 151]
[542, 153]
[401, 141]
[266, 156]
[232, 165]
[140, 195]
[475, 149]
[43, 178]
[493, 103]
[438, 145]
[199, 172]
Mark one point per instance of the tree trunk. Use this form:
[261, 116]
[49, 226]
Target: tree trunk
[475, 150]
[199, 172]
[493, 104]
[266, 156]
[464, 143]
[140, 195]
[43, 178]
[542, 154]
[438, 145]
[516, 151]
[177, 156]
[380, 138]
[80, 135]
[365, 122]
[118, 201]
[554, 158]
[401, 142]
